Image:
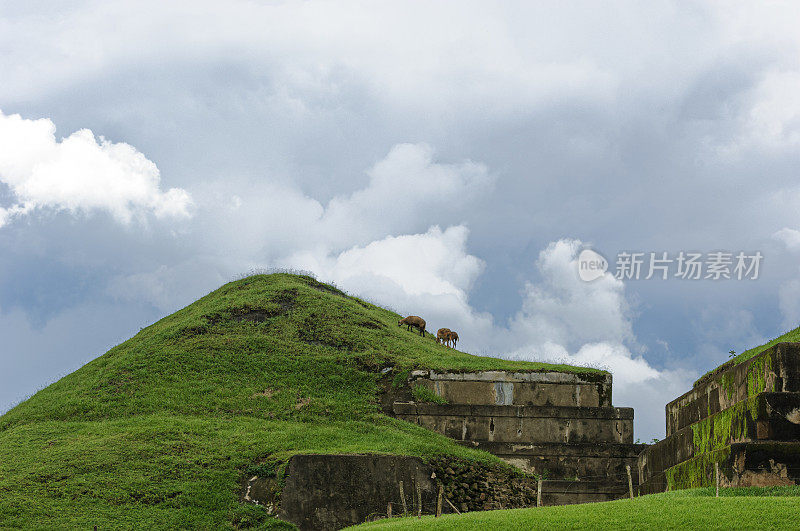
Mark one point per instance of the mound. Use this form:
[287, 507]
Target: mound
[161, 430]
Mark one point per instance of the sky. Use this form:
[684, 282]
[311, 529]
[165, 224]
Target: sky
[445, 159]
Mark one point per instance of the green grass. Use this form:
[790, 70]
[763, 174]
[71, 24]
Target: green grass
[788, 337]
[747, 508]
[420, 393]
[159, 431]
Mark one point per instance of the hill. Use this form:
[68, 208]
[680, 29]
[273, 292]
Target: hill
[743, 508]
[160, 431]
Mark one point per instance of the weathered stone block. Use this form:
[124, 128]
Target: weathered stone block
[776, 369]
[748, 464]
[768, 416]
[516, 388]
[336, 491]
[528, 424]
[556, 460]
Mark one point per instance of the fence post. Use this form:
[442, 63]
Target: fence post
[630, 481]
[539, 493]
[419, 501]
[403, 497]
[389, 510]
[439, 502]
[716, 477]
[453, 506]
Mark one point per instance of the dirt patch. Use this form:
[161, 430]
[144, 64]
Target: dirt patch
[314, 283]
[319, 329]
[373, 324]
[285, 299]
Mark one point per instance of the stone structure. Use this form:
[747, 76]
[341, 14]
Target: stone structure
[336, 491]
[330, 492]
[558, 425]
[742, 418]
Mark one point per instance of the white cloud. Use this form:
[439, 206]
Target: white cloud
[565, 310]
[790, 237]
[427, 274]
[80, 173]
[407, 190]
[566, 320]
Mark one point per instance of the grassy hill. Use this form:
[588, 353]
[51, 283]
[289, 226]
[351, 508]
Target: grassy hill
[743, 508]
[160, 430]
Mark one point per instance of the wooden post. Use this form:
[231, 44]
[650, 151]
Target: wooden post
[630, 481]
[453, 506]
[716, 477]
[389, 510]
[419, 501]
[403, 497]
[439, 502]
[539, 493]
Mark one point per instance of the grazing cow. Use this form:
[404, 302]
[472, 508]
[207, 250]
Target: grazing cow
[453, 338]
[415, 321]
[443, 336]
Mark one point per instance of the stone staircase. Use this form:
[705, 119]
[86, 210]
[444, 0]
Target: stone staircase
[558, 425]
[742, 420]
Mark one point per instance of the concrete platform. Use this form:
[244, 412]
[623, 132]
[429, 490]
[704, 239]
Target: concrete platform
[518, 388]
[556, 460]
[526, 424]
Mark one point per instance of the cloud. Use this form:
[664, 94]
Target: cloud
[428, 274]
[565, 310]
[790, 237]
[80, 174]
[407, 190]
[566, 320]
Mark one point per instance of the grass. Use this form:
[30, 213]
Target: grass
[746, 508]
[788, 337]
[159, 431]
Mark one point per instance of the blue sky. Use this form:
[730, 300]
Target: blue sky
[445, 159]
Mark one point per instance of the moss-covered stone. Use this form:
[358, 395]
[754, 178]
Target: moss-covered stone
[696, 472]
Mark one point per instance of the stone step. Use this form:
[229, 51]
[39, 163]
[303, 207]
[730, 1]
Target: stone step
[518, 388]
[558, 460]
[766, 416]
[776, 369]
[742, 464]
[521, 424]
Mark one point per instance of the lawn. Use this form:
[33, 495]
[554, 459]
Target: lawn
[747, 508]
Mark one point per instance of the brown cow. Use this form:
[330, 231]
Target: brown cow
[453, 338]
[443, 336]
[415, 321]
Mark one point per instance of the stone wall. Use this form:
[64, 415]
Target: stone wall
[328, 492]
[518, 388]
[743, 418]
[776, 369]
[522, 424]
[560, 426]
